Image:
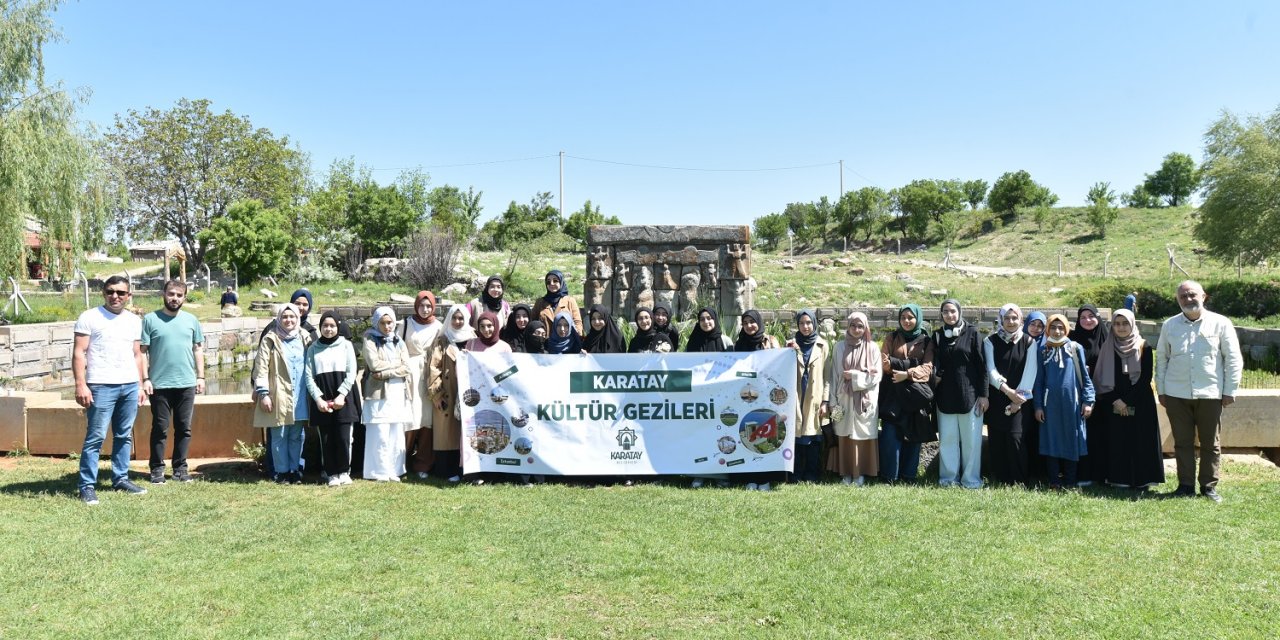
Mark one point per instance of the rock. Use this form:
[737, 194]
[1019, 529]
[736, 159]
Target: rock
[905, 277]
[331, 292]
[1056, 290]
[825, 262]
[856, 271]
[912, 286]
[663, 234]
[455, 289]
[879, 278]
[349, 292]
[400, 298]
[844, 262]
[941, 293]
[268, 294]
[818, 267]
[789, 266]
[381, 269]
[478, 282]
[232, 311]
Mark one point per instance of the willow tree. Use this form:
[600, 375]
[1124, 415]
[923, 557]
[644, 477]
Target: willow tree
[49, 170]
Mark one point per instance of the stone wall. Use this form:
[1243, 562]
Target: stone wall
[38, 356]
[686, 267]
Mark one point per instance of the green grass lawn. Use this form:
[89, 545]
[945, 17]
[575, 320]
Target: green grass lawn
[230, 556]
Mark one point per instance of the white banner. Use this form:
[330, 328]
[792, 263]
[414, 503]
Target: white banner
[628, 414]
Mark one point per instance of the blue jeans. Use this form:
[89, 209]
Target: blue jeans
[286, 447]
[115, 405]
[898, 459]
[960, 449]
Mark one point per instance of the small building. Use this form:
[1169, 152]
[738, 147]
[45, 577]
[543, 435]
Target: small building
[154, 250]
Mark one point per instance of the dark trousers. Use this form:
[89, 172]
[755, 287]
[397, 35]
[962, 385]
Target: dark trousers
[808, 464]
[176, 405]
[1006, 458]
[1189, 420]
[336, 448]
[1066, 467]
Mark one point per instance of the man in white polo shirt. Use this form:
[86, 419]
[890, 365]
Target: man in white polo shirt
[108, 366]
[1198, 366]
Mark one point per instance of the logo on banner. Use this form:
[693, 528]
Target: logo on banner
[627, 439]
[615, 381]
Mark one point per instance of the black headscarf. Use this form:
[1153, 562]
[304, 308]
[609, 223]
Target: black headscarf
[607, 340]
[491, 303]
[806, 342]
[700, 340]
[1091, 340]
[341, 327]
[530, 343]
[642, 341]
[553, 299]
[511, 334]
[672, 333]
[754, 342]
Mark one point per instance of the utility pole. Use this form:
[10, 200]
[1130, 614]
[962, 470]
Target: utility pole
[562, 184]
[842, 178]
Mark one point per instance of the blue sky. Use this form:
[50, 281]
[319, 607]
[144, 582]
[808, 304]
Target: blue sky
[1074, 92]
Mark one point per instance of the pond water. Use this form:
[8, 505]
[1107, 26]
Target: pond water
[219, 382]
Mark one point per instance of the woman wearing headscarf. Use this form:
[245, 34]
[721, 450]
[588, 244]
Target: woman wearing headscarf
[707, 336]
[1064, 397]
[281, 392]
[419, 333]
[535, 337]
[564, 336]
[662, 324]
[811, 400]
[1010, 356]
[490, 299]
[1126, 401]
[330, 377]
[513, 331]
[442, 384]
[853, 394]
[642, 341]
[388, 398]
[487, 336]
[1034, 326]
[906, 419]
[604, 335]
[557, 299]
[961, 397]
[752, 336]
[1090, 332]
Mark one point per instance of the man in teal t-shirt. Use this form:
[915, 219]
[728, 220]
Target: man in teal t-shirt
[172, 341]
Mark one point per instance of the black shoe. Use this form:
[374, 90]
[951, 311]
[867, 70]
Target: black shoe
[157, 476]
[1183, 491]
[88, 495]
[182, 476]
[128, 487]
[296, 477]
[281, 478]
[1211, 494]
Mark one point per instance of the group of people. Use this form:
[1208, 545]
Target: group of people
[1067, 405]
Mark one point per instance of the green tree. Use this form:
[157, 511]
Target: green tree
[924, 201]
[522, 224]
[252, 238]
[1241, 208]
[821, 217]
[1139, 198]
[950, 225]
[181, 169]
[581, 220]
[455, 210]
[382, 217]
[862, 211]
[1102, 209]
[975, 192]
[1176, 179]
[1015, 190]
[799, 215]
[49, 172]
[771, 229]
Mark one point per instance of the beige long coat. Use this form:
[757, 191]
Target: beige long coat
[271, 372]
[442, 385]
[810, 403]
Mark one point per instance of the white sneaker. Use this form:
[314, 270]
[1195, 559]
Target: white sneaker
[696, 484]
[345, 479]
[422, 475]
[394, 479]
[751, 486]
[766, 487]
[335, 480]
[860, 481]
[847, 480]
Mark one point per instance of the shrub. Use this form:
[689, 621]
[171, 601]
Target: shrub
[430, 257]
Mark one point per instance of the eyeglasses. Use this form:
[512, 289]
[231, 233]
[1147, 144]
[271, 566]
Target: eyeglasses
[116, 292]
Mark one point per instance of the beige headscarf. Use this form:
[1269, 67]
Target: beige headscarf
[859, 355]
[1129, 349]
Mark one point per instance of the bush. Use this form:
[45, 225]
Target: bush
[1233, 298]
[1151, 303]
[430, 257]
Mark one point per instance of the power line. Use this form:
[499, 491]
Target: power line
[868, 180]
[670, 168]
[466, 164]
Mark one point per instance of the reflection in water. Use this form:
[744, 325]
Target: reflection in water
[219, 383]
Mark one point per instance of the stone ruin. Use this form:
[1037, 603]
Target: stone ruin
[687, 267]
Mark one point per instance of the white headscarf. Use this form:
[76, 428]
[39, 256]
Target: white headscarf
[1005, 335]
[464, 334]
